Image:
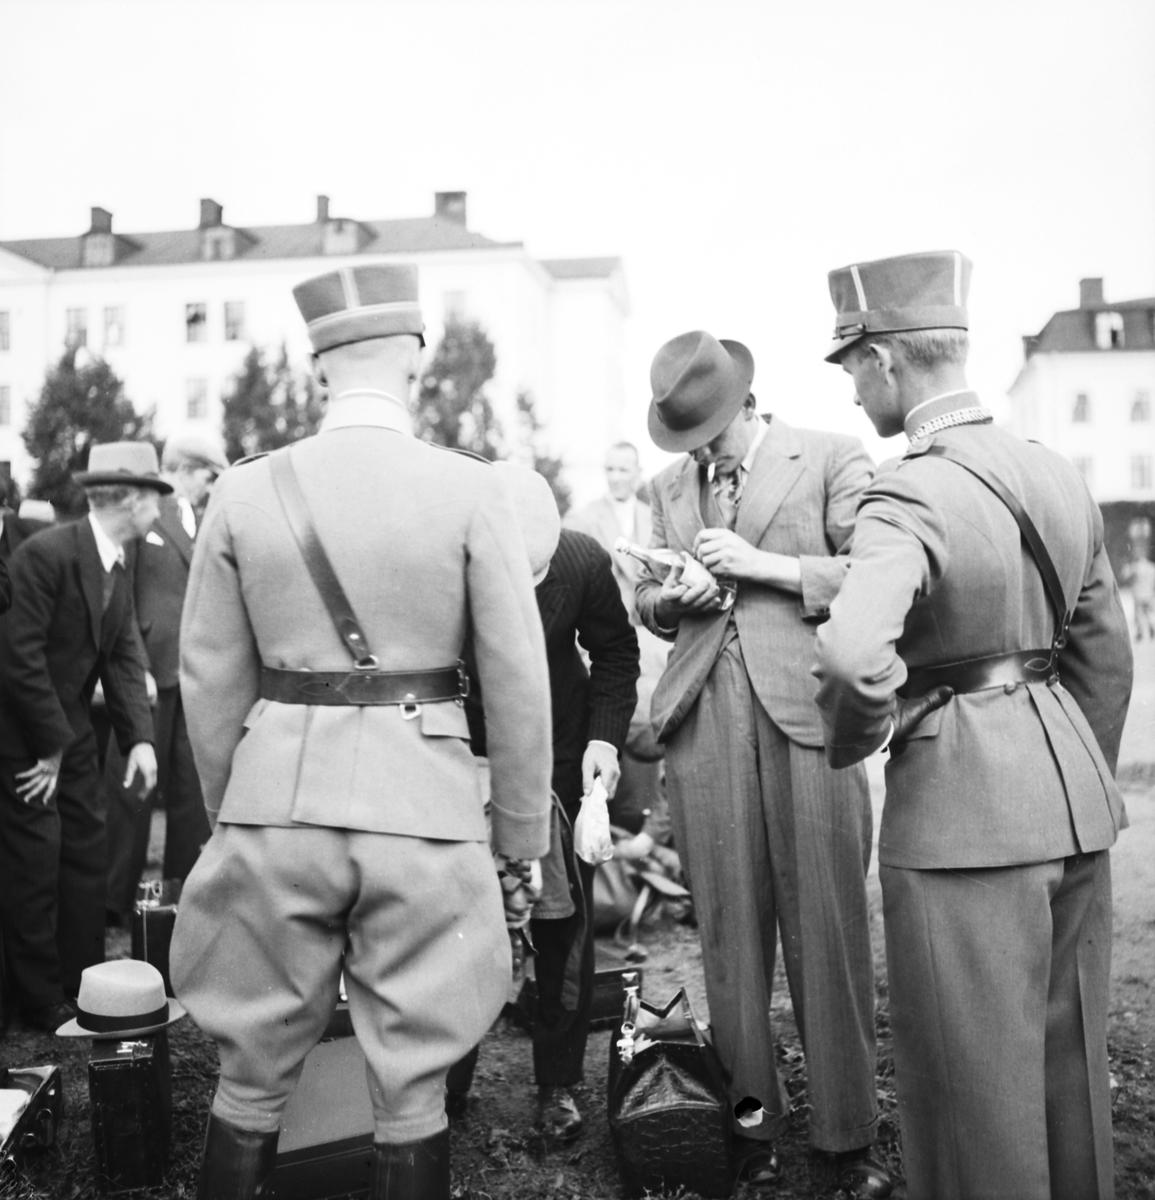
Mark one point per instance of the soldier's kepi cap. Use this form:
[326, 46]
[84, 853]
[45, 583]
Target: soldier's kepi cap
[354, 304]
[898, 295]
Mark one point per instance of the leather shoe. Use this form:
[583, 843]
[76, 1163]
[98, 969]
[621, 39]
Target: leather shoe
[862, 1175]
[756, 1161]
[558, 1119]
[49, 1018]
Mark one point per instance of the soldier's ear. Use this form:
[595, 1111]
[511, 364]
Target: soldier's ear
[882, 357]
[318, 370]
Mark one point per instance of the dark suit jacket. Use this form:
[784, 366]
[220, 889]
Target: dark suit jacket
[160, 567]
[55, 644]
[580, 596]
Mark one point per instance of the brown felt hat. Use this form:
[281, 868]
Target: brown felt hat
[354, 304]
[127, 464]
[699, 385]
[899, 295]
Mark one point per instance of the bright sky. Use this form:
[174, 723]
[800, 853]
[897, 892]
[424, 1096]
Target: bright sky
[732, 152]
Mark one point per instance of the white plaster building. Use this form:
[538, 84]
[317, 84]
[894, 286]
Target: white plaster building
[1087, 390]
[175, 313]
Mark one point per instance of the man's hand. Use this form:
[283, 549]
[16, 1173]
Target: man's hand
[600, 761]
[142, 761]
[150, 688]
[39, 782]
[726, 554]
[521, 884]
[678, 596]
[908, 713]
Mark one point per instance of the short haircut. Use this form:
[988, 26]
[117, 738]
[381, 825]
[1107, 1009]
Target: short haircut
[626, 446]
[924, 349]
[109, 495]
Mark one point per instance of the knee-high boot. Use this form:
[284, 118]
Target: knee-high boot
[237, 1163]
[411, 1170]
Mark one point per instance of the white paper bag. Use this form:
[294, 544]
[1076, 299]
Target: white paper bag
[591, 832]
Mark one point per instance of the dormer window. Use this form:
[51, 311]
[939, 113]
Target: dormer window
[99, 250]
[218, 244]
[342, 236]
[1081, 413]
[1109, 330]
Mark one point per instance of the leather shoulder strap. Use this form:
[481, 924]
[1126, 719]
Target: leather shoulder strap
[1030, 533]
[325, 579]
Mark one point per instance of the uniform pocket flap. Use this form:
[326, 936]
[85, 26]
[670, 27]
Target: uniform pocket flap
[444, 720]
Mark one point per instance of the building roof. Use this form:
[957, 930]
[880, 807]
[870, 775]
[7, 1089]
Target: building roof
[1075, 330]
[412, 235]
[581, 268]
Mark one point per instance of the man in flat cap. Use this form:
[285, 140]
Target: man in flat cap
[771, 837]
[72, 622]
[979, 633]
[333, 586]
[191, 461]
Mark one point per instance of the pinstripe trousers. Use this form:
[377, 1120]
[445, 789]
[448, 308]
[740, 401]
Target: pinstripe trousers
[775, 840]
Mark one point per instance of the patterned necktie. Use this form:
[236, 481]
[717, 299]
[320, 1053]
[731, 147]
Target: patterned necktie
[728, 492]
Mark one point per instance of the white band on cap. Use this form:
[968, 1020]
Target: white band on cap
[958, 279]
[858, 288]
[364, 310]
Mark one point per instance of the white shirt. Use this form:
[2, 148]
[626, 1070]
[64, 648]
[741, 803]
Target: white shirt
[626, 512]
[747, 464]
[110, 553]
[188, 518]
[367, 406]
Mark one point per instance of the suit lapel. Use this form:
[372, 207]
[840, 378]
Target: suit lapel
[91, 572]
[173, 528]
[684, 509]
[777, 467]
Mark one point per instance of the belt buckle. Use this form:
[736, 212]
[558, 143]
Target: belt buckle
[410, 709]
[463, 684]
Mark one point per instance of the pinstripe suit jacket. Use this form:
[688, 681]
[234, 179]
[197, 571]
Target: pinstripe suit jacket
[799, 500]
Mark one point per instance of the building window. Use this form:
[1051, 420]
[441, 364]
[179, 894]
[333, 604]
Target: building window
[5, 334]
[454, 306]
[234, 320]
[76, 329]
[1082, 410]
[198, 399]
[1109, 330]
[1085, 467]
[196, 323]
[1141, 473]
[114, 326]
[5, 404]
[1141, 407]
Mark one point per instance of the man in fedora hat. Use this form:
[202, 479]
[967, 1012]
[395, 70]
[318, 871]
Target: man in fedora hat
[191, 460]
[72, 622]
[333, 586]
[979, 633]
[771, 837]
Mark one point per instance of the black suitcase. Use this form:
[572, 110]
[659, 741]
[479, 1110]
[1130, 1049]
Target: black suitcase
[130, 1092]
[153, 918]
[35, 1128]
[326, 1146]
[605, 1009]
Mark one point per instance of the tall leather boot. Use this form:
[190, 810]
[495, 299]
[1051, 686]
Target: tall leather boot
[411, 1170]
[237, 1163]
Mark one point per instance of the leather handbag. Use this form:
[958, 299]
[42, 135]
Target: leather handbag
[668, 1109]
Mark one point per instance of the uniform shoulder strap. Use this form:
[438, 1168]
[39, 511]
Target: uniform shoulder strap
[296, 510]
[1030, 533]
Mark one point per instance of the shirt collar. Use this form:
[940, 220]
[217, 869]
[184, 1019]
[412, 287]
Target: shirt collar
[936, 406]
[367, 407]
[110, 553]
[759, 437]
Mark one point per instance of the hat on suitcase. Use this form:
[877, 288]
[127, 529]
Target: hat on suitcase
[123, 998]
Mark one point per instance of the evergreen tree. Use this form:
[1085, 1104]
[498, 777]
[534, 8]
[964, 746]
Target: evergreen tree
[80, 403]
[453, 408]
[268, 406]
[543, 462]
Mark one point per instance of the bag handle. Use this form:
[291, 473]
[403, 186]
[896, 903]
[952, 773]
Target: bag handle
[1031, 537]
[296, 510]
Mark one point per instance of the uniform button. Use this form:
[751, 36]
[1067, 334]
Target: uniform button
[1009, 688]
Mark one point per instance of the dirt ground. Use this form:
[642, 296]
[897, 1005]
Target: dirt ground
[494, 1157]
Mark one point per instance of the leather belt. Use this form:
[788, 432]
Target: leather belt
[975, 674]
[363, 688]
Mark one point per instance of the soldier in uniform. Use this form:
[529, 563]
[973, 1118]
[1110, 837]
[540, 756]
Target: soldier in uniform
[979, 633]
[334, 753]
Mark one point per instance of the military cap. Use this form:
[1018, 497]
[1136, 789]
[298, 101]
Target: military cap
[354, 304]
[897, 295]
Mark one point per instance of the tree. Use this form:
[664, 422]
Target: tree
[268, 406]
[453, 408]
[81, 403]
[544, 463]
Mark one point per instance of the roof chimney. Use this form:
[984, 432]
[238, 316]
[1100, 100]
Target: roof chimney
[322, 209]
[450, 205]
[1091, 293]
[101, 221]
[212, 214]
